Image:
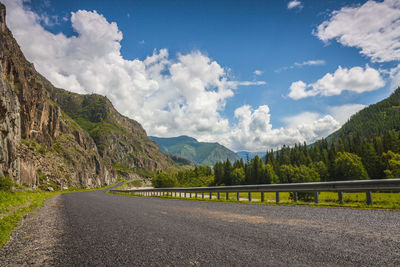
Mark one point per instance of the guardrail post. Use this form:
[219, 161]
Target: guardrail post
[369, 198]
[295, 198]
[238, 196]
[210, 195]
[262, 196]
[218, 196]
[227, 195]
[190, 194]
[341, 199]
[202, 195]
[277, 197]
[316, 197]
[195, 195]
[249, 196]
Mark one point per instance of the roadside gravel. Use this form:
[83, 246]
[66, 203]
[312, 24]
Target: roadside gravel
[37, 238]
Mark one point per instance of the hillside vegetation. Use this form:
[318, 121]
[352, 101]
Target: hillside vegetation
[375, 120]
[201, 153]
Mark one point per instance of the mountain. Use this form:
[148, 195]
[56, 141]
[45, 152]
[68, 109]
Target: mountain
[373, 120]
[51, 137]
[201, 153]
[245, 154]
[121, 141]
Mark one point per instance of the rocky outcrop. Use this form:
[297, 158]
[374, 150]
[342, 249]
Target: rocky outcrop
[119, 139]
[39, 143]
[10, 131]
[52, 138]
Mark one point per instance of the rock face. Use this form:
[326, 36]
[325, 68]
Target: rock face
[10, 131]
[42, 146]
[121, 141]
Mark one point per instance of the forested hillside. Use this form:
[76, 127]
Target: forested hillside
[375, 120]
[200, 153]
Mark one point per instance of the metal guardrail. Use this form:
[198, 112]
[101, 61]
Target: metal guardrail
[340, 187]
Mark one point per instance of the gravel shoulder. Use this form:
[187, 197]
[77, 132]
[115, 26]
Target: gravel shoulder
[37, 238]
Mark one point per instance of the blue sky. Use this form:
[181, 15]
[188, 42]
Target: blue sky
[251, 75]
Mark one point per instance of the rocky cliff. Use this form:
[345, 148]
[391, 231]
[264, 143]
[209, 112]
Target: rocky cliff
[42, 145]
[121, 141]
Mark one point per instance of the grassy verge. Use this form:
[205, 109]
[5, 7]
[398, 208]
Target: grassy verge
[383, 201]
[15, 205]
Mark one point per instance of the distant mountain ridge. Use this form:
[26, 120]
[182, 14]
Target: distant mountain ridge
[250, 155]
[201, 153]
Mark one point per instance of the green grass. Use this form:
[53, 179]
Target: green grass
[384, 201]
[14, 205]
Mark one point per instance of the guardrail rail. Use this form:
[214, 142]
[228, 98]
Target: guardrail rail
[367, 186]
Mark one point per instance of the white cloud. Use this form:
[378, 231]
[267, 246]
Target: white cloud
[310, 63]
[258, 72]
[248, 83]
[356, 80]
[168, 96]
[294, 4]
[316, 62]
[343, 113]
[254, 131]
[374, 27]
[394, 75]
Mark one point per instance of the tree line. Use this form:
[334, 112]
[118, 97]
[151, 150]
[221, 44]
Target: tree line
[350, 158]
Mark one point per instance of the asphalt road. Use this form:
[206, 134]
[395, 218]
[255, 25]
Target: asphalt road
[104, 229]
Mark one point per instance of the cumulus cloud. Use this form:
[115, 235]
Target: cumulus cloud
[294, 4]
[374, 27]
[169, 96]
[254, 132]
[356, 79]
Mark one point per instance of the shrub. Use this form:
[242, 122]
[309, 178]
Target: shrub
[6, 184]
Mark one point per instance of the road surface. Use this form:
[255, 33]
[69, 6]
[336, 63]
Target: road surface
[97, 229]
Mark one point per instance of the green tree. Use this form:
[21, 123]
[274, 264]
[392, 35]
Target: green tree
[227, 180]
[270, 176]
[348, 166]
[321, 169]
[392, 164]
[238, 176]
[162, 180]
[304, 174]
[286, 173]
